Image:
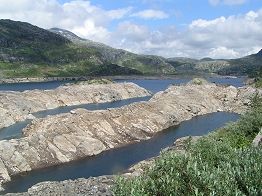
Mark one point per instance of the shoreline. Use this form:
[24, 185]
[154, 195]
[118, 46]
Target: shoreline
[228, 99]
[120, 77]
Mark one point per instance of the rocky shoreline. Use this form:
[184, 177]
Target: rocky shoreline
[96, 186]
[65, 137]
[20, 106]
[120, 77]
[102, 185]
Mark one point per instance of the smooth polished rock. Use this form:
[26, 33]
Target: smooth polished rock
[65, 137]
[20, 106]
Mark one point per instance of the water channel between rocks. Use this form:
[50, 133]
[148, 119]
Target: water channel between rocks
[119, 159]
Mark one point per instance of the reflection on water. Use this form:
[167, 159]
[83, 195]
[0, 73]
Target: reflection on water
[119, 159]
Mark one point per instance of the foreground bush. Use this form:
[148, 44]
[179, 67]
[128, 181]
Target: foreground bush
[191, 174]
[221, 163]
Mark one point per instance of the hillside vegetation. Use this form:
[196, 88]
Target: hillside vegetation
[246, 66]
[151, 64]
[29, 51]
[146, 64]
[221, 163]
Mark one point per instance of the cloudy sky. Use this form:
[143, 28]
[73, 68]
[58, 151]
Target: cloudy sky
[169, 28]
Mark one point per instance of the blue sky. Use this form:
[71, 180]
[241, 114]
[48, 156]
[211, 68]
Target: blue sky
[169, 28]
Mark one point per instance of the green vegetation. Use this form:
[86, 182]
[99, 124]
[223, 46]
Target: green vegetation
[221, 163]
[94, 81]
[198, 81]
[29, 51]
[243, 66]
[239, 67]
[147, 64]
[258, 77]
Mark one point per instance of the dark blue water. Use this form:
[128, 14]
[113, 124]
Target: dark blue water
[14, 131]
[159, 85]
[156, 85]
[152, 85]
[32, 85]
[119, 159]
[236, 82]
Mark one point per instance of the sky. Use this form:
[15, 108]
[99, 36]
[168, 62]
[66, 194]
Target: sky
[217, 29]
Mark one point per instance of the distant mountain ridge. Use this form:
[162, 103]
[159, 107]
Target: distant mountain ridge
[29, 51]
[238, 67]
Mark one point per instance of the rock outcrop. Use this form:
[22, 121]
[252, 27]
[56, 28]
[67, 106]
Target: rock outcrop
[20, 106]
[96, 186]
[70, 136]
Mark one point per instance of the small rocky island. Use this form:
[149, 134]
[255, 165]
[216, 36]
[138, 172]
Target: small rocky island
[20, 106]
[70, 136]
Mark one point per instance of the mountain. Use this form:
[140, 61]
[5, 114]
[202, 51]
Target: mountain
[247, 65]
[24, 42]
[152, 64]
[206, 65]
[29, 51]
[147, 64]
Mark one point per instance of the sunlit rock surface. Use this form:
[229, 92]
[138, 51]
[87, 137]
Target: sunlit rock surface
[19, 106]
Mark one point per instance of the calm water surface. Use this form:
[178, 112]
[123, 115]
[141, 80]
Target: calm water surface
[152, 85]
[119, 159]
[32, 85]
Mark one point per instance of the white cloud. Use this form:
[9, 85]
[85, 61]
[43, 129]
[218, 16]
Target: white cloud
[90, 31]
[222, 37]
[227, 2]
[234, 2]
[77, 16]
[230, 37]
[119, 13]
[214, 2]
[132, 31]
[148, 14]
[222, 53]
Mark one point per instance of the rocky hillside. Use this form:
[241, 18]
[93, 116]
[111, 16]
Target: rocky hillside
[179, 66]
[245, 66]
[29, 51]
[147, 64]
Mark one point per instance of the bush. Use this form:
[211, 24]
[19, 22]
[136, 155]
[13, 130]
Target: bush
[238, 172]
[220, 163]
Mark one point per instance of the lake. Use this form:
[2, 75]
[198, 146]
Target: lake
[15, 131]
[119, 159]
[152, 85]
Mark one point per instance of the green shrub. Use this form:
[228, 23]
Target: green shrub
[238, 172]
[220, 163]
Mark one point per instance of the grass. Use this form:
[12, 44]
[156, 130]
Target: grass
[89, 82]
[223, 162]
